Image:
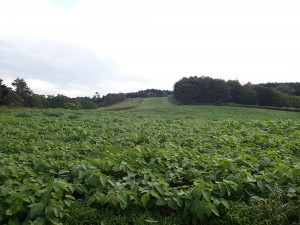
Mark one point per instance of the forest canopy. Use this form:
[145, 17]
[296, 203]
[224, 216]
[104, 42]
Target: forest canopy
[206, 90]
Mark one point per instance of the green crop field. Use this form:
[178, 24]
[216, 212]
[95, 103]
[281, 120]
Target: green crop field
[155, 163]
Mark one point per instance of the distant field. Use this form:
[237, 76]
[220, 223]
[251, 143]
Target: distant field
[147, 161]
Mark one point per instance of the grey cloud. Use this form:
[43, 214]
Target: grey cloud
[58, 63]
[52, 61]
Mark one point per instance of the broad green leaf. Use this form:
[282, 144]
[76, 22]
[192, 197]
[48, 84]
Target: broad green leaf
[160, 189]
[36, 209]
[208, 210]
[63, 186]
[103, 180]
[261, 185]
[49, 213]
[63, 172]
[150, 221]
[225, 203]
[270, 186]
[232, 168]
[114, 200]
[122, 198]
[172, 204]
[102, 198]
[9, 212]
[207, 195]
[154, 194]
[250, 179]
[81, 174]
[39, 221]
[228, 188]
[68, 202]
[197, 192]
[198, 208]
[91, 200]
[54, 220]
[292, 189]
[161, 202]
[145, 198]
[222, 188]
[216, 201]
[57, 211]
[295, 174]
[214, 209]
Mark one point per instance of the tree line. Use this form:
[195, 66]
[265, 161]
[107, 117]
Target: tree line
[288, 88]
[22, 96]
[149, 93]
[188, 90]
[206, 90]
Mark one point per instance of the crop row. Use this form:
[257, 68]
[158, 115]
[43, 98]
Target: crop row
[190, 167]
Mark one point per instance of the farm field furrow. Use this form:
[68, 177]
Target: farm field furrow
[157, 163]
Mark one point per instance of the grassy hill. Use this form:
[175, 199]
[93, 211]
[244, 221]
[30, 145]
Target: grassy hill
[129, 103]
[160, 106]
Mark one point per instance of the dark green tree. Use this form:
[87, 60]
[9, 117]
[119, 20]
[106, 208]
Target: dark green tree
[4, 91]
[40, 101]
[110, 99]
[58, 101]
[285, 88]
[97, 98]
[235, 91]
[13, 100]
[201, 90]
[21, 87]
[219, 91]
[249, 95]
[24, 92]
[87, 104]
[270, 97]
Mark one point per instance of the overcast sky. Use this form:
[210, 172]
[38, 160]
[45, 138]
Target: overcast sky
[78, 47]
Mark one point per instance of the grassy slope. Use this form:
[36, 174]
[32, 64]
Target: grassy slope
[130, 103]
[156, 107]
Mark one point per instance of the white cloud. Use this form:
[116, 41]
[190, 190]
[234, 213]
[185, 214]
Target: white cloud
[164, 40]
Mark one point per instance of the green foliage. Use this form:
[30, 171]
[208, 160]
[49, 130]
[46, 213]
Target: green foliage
[88, 105]
[11, 99]
[82, 214]
[23, 114]
[111, 99]
[288, 88]
[4, 90]
[58, 101]
[274, 209]
[24, 92]
[201, 90]
[207, 90]
[71, 105]
[148, 93]
[53, 113]
[22, 88]
[141, 166]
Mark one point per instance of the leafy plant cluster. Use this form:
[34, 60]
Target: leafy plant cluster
[200, 170]
[206, 90]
